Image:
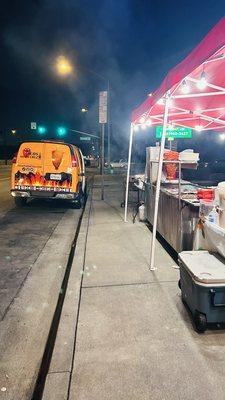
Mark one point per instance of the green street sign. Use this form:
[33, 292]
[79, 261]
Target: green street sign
[175, 133]
[85, 138]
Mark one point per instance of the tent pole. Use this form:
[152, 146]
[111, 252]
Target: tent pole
[128, 172]
[158, 184]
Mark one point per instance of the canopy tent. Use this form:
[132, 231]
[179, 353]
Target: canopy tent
[191, 95]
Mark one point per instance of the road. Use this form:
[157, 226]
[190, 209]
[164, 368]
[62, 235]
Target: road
[35, 247]
[23, 235]
[6, 201]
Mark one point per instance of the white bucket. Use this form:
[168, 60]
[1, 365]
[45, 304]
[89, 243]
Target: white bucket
[221, 191]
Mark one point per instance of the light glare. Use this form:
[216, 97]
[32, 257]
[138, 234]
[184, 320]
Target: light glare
[198, 128]
[160, 102]
[185, 88]
[170, 126]
[202, 83]
[63, 66]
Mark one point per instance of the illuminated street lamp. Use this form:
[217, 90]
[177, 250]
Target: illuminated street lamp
[63, 66]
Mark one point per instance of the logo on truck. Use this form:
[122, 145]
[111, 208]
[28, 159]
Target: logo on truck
[26, 152]
[57, 156]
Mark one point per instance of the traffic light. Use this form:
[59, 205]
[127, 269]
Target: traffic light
[61, 131]
[41, 130]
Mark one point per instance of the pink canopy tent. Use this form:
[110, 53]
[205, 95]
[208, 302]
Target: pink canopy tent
[191, 95]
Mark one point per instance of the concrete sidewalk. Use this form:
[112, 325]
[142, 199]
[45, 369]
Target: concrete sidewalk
[132, 336]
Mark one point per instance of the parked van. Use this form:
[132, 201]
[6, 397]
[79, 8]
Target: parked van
[48, 169]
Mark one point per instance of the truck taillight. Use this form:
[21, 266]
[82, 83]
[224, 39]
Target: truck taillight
[74, 161]
[14, 158]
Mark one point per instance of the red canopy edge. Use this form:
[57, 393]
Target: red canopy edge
[208, 47]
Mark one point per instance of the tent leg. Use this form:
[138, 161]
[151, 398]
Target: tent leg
[159, 177]
[128, 172]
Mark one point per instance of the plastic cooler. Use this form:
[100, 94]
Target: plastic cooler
[202, 284]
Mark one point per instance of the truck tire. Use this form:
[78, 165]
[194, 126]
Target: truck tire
[20, 201]
[80, 201]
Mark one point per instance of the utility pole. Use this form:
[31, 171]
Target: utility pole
[102, 158]
[103, 97]
[108, 127]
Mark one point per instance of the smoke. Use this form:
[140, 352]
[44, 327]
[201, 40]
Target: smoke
[124, 42]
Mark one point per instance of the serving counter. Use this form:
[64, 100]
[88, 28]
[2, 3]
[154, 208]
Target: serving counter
[178, 213]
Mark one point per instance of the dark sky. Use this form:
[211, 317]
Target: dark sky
[132, 43]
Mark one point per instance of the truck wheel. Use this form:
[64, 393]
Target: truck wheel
[20, 201]
[79, 202]
[200, 322]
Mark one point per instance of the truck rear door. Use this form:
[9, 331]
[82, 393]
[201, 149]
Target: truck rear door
[57, 166]
[28, 168]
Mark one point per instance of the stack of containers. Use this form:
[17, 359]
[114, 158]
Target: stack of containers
[221, 193]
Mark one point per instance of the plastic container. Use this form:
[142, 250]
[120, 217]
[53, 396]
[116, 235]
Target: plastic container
[205, 208]
[202, 283]
[213, 216]
[189, 155]
[171, 168]
[141, 212]
[221, 191]
[206, 194]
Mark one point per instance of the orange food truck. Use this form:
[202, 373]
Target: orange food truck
[50, 170]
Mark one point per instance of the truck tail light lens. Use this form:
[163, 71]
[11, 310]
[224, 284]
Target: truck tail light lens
[14, 160]
[74, 161]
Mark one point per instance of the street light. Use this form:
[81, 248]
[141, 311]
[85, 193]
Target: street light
[84, 110]
[63, 66]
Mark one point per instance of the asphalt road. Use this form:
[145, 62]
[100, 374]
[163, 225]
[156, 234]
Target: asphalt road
[23, 235]
[6, 201]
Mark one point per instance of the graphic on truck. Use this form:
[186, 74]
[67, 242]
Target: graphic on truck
[36, 181]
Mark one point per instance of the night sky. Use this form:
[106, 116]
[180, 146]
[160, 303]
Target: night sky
[132, 43]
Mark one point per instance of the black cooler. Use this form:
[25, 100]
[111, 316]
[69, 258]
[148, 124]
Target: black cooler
[202, 284]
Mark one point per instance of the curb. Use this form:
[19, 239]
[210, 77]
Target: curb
[58, 378]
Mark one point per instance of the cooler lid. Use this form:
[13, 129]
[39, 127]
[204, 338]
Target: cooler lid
[205, 267]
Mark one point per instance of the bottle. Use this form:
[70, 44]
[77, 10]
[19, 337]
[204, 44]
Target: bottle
[142, 212]
[213, 216]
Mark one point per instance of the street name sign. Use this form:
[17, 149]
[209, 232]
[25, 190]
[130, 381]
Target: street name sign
[85, 138]
[103, 103]
[175, 132]
[33, 125]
